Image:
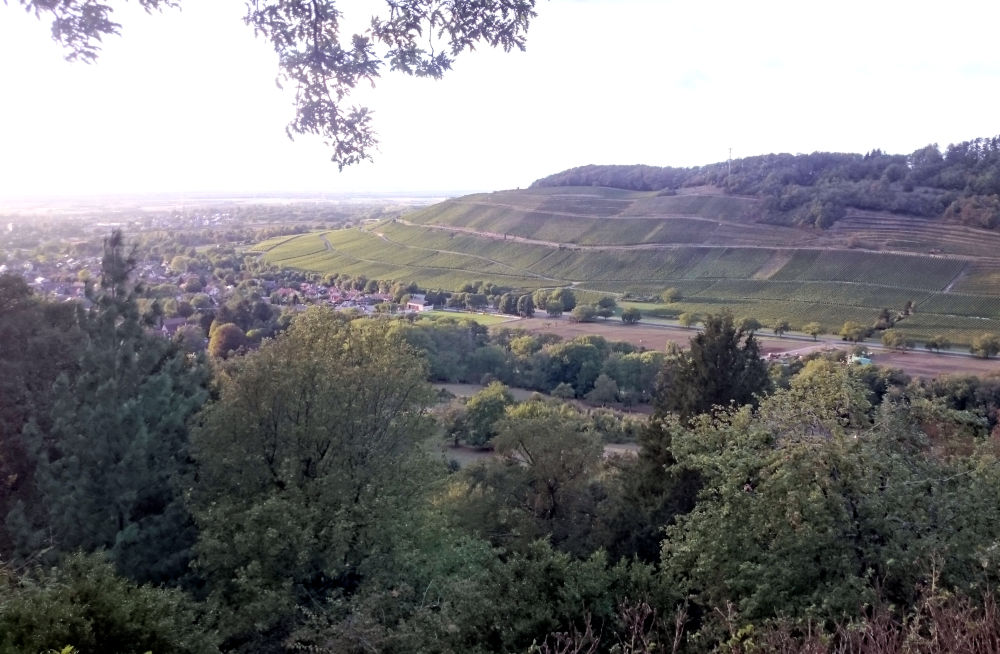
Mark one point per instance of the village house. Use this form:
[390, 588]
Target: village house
[418, 302]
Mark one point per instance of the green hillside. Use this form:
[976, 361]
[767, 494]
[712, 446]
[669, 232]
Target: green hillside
[700, 241]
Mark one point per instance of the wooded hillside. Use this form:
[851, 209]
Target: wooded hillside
[961, 184]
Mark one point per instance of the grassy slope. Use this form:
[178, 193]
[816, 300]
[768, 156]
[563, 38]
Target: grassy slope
[705, 244]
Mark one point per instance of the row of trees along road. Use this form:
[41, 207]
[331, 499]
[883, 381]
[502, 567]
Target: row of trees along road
[287, 500]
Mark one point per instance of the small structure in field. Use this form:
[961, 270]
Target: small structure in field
[418, 302]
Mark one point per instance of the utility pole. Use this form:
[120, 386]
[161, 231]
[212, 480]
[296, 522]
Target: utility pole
[730, 161]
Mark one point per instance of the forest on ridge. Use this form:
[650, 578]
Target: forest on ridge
[962, 183]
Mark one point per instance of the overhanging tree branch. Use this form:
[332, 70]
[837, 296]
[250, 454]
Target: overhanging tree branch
[415, 37]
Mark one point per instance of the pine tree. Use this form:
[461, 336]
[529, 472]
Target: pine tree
[38, 343]
[110, 464]
[722, 367]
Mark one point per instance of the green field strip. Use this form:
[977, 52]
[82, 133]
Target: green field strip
[709, 206]
[293, 248]
[687, 287]
[371, 256]
[831, 316]
[729, 262]
[981, 280]
[578, 191]
[955, 304]
[430, 277]
[520, 255]
[270, 243]
[837, 293]
[801, 262]
[538, 225]
[907, 271]
[369, 248]
[620, 265]
[600, 207]
[960, 330]
[438, 255]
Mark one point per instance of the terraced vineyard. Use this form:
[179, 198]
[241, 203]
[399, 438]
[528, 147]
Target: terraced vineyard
[705, 245]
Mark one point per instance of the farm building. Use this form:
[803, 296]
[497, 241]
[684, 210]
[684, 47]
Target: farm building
[418, 302]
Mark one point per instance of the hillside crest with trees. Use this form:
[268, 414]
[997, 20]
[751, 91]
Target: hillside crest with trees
[960, 184]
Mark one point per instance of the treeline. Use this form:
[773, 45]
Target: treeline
[460, 350]
[961, 184]
[286, 500]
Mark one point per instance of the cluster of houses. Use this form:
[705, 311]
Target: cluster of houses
[60, 280]
[65, 279]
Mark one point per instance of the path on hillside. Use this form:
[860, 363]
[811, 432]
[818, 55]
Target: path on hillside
[614, 216]
[962, 274]
[717, 222]
[676, 246]
[521, 272]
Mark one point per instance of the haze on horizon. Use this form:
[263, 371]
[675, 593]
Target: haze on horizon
[185, 101]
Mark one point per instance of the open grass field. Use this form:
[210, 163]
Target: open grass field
[703, 243]
[488, 319]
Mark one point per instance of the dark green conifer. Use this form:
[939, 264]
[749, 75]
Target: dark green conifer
[110, 463]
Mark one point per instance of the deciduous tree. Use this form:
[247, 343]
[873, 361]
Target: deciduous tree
[85, 603]
[750, 324]
[525, 306]
[484, 410]
[814, 329]
[938, 343]
[607, 302]
[508, 304]
[853, 331]
[540, 298]
[804, 501]
[896, 340]
[583, 313]
[985, 345]
[605, 390]
[670, 295]
[539, 488]
[565, 297]
[226, 338]
[631, 315]
[323, 424]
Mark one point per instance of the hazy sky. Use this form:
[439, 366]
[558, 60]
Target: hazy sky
[186, 100]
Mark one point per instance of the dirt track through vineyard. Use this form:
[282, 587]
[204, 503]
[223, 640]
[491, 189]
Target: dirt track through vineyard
[668, 246]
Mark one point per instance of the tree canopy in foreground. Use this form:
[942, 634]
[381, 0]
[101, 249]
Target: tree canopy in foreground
[814, 507]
